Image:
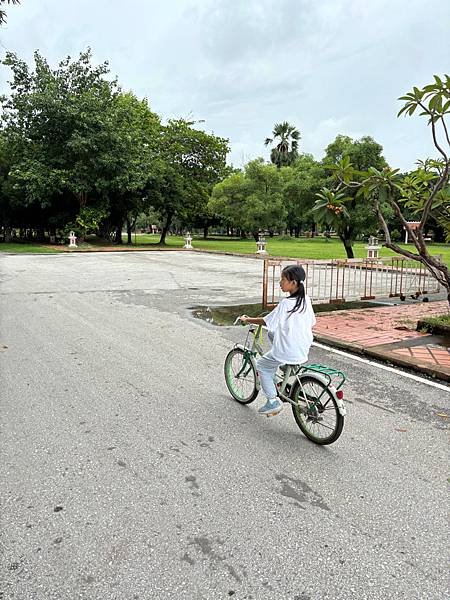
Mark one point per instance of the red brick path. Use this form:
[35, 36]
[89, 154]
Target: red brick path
[377, 328]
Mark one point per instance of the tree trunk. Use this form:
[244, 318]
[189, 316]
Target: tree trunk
[347, 245]
[118, 239]
[205, 231]
[129, 240]
[349, 249]
[165, 229]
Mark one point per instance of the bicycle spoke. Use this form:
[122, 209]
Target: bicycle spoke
[316, 411]
[240, 376]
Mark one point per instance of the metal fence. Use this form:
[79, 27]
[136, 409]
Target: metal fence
[352, 279]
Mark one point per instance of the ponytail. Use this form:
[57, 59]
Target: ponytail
[296, 273]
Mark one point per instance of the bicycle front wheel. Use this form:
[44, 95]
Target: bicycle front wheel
[240, 376]
[316, 411]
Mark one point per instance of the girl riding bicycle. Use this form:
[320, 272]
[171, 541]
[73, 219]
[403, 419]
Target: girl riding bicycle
[289, 328]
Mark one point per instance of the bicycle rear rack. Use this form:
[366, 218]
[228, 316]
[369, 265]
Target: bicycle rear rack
[334, 377]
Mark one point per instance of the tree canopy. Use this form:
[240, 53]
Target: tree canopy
[251, 200]
[190, 162]
[345, 211]
[83, 154]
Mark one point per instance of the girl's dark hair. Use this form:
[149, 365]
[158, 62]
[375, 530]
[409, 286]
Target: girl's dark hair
[297, 274]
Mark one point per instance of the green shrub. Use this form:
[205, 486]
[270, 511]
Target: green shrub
[437, 324]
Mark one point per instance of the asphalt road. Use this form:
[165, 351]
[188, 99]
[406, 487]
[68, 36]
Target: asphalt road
[127, 472]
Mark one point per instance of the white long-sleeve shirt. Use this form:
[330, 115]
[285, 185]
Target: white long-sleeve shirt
[292, 332]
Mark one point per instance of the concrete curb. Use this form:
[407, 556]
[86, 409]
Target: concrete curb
[433, 371]
[125, 248]
[66, 250]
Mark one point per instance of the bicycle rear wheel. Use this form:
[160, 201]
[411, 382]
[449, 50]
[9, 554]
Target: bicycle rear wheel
[240, 376]
[316, 411]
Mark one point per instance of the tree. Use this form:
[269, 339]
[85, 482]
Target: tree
[3, 13]
[251, 200]
[228, 200]
[286, 137]
[77, 141]
[301, 182]
[189, 163]
[136, 145]
[425, 191]
[329, 207]
[56, 122]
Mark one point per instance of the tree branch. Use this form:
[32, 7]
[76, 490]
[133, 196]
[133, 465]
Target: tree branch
[439, 185]
[438, 269]
[445, 130]
[442, 180]
[433, 131]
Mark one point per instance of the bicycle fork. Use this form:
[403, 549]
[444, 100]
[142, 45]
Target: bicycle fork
[249, 360]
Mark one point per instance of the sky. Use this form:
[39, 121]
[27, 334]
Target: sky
[328, 67]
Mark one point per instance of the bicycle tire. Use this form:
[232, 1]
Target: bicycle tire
[324, 417]
[240, 376]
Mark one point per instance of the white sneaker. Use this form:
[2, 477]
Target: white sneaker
[271, 408]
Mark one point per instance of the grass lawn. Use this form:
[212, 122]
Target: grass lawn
[317, 248]
[29, 248]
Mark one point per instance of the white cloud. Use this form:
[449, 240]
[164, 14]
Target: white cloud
[334, 66]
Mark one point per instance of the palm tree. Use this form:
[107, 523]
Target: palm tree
[286, 137]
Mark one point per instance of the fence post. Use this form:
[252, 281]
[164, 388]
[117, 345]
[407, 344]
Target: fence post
[265, 284]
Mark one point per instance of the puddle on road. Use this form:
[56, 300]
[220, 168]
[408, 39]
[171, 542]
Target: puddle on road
[226, 315]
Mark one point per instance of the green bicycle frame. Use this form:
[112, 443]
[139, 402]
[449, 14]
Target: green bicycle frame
[332, 379]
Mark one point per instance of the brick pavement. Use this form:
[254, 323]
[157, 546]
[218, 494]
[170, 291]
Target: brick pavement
[431, 353]
[389, 332]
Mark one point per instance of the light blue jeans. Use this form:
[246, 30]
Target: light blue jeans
[267, 367]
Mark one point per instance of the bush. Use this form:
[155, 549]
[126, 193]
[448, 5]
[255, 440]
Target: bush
[439, 324]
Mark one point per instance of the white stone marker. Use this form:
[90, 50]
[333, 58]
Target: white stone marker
[373, 248]
[187, 241]
[72, 240]
[261, 245]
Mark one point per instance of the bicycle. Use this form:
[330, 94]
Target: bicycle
[314, 391]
